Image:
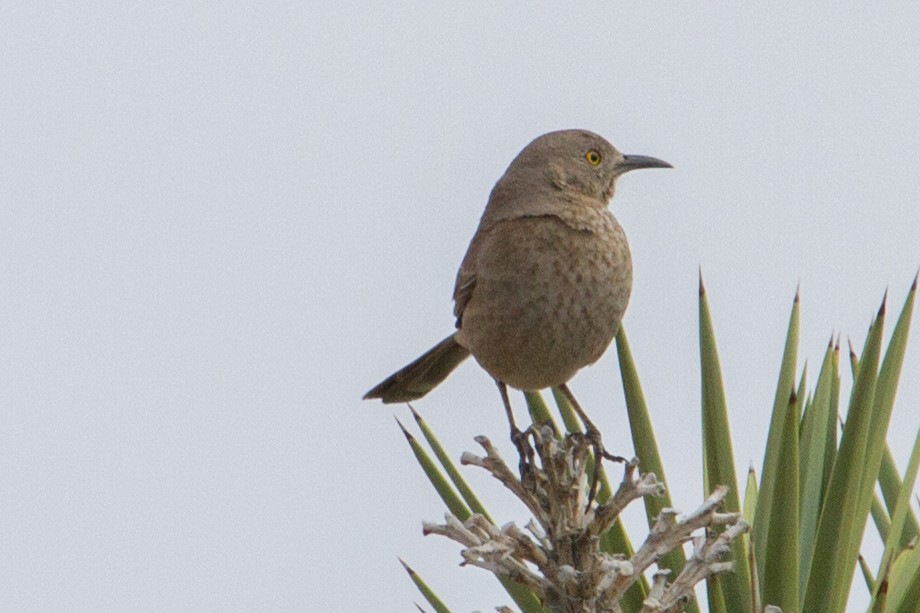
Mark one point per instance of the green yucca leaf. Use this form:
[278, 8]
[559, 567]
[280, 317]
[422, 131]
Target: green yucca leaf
[904, 583]
[899, 517]
[801, 394]
[830, 444]
[890, 483]
[836, 546]
[718, 458]
[780, 578]
[750, 496]
[854, 360]
[883, 404]
[881, 603]
[717, 448]
[441, 485]
[426, 591]
[566, 412]
[813, 454]
[748, 512]
[468, 496]
[539, 413]
[786, 381]
[523, 597]
[714, 595]
[640, 425]
[866, 573]
[878, 605]
[646, 448]
[881, 519]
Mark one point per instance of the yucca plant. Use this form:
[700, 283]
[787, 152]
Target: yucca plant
[808, 510]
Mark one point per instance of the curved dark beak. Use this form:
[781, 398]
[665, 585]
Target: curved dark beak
[633, 162]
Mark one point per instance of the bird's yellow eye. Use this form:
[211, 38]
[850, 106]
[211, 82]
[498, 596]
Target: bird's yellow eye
[593, 157]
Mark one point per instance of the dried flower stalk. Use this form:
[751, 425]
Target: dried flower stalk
[558, 553]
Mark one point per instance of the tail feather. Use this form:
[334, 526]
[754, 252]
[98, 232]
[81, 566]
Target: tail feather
[421, 376]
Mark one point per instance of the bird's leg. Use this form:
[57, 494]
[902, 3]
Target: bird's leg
[517, 437]
[594, 436]
[591, 430]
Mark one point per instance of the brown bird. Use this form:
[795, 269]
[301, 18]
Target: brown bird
[546, 279]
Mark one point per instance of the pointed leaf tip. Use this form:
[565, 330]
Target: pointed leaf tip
[881, 309]
[793, 398]
[702, 288]
[418, 418]
[798, 288]
[405, 432]
[913, 286]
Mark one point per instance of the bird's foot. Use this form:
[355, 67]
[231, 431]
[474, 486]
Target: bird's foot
[525, 452]
[597, 445]
[594, 437]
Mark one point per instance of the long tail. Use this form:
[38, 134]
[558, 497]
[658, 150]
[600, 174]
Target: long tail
[421, 376]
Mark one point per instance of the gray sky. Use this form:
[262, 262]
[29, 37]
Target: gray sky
[220, 224]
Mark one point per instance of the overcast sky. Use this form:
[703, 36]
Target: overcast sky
[221, 223]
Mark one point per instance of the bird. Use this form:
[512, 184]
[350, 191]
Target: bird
[547, 276]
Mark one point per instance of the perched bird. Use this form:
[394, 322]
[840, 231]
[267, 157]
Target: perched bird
[546, 279]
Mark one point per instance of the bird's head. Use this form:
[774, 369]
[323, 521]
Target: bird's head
[579, 161]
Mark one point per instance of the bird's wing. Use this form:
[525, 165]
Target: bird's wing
[466, 276]
[463, 291]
